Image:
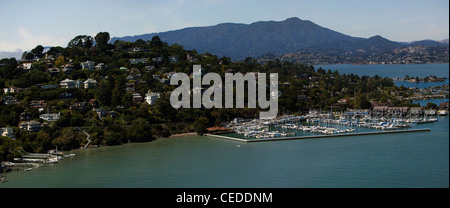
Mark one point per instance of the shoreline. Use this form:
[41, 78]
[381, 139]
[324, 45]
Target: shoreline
[68, 152]
[180, 135]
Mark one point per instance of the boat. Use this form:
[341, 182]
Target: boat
[389, 127]
[51, 160]
[350, 130]
[426, 120]
[3, 180]
[442, 112]
[69, 155]
[27, 169]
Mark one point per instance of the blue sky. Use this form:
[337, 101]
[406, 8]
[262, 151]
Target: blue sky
[27, 23]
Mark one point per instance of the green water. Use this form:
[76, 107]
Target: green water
[419, 159]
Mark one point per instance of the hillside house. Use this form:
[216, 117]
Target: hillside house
[90, 84]
[138, 61]
[137, 98]
[67, 68]
[9, 100]
[151, 97]
[53, 71]
[50, 116]
[67, 83]
[7, 132]
[100, 66]
[27, 67]
[89, 65]
[37, 104]
[31, 126]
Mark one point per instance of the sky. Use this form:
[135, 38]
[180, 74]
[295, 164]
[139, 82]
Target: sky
[24, 24]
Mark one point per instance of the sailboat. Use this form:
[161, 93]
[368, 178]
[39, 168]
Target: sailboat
[427, 120]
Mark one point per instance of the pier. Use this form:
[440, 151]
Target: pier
[317, 136]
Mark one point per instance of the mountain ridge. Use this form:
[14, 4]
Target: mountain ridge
[239, 40]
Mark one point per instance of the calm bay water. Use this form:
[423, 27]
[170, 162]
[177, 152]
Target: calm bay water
[419, 159]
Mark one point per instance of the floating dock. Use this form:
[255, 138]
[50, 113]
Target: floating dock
[316, 136]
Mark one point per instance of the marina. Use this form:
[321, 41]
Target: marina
[316, 136]
[31, 161]
[317, 124]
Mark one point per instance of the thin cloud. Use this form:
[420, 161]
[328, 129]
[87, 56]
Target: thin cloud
[26, 41]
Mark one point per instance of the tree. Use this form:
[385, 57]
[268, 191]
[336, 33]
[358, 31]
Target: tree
[83, 41]
[115, 134]
[140, 131]
[70, 138]
[127, 100]
[38, 51]
[60, 61]
[55, 50]
[104, 93]
[43, 142]
[156, 42]
[101, 40]
[200, 125]
[119, 91]
[431, 105]
[112, 138]
[9, 149]
[27, 55]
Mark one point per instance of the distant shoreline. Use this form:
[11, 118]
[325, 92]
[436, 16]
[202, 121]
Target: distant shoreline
[157, 138]
[180, 135]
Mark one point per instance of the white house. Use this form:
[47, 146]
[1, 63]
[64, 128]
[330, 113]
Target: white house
[67, 83]
[100, 66]
[50, 117]
[151, 97]
[89, 65]
[27, 66]
[14, 90]
[90, 84]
